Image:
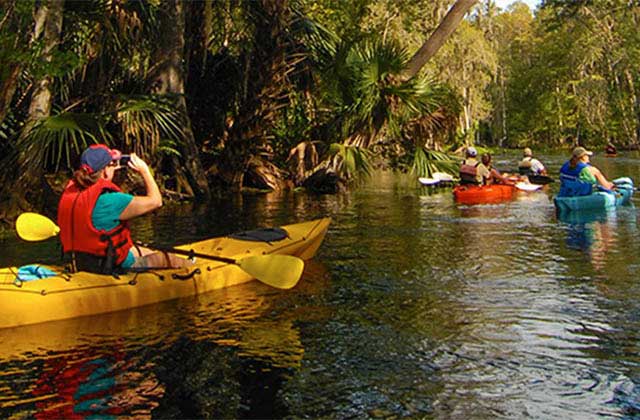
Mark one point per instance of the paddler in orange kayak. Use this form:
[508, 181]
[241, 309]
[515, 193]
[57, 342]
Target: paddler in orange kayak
[493, 176]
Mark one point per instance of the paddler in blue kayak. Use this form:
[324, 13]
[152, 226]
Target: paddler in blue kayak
[93, 215]
[578, 175]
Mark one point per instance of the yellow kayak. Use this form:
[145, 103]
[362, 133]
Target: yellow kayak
[71, 295]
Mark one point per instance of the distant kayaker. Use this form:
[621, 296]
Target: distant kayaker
[578, 175]
[610, 149]
[471, 170]
[491, 174]
[93, 213]
[530, 165]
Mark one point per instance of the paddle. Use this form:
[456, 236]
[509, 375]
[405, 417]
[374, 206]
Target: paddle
[279, 271]
[523, 186]
[428, 181]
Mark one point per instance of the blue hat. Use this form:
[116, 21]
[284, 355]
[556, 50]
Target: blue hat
[98, 156]
[471, 151]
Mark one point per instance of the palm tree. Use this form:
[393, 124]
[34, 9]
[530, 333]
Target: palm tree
[439, 36]
[168, 79]
[369, 102]
[99, 90]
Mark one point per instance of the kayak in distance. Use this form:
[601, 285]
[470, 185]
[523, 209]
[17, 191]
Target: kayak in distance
[540, 179]
[528, 186]
[599, 199]
[437, 178]
[35, 293]
[483, 194]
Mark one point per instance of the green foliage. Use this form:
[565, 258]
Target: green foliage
[343, 18]
[574, 75]
[350, 161]
[58, 138]
[570, 71]
[145, 120]
[426, 162]
[363, 80]
[15, 29]
[292, 127]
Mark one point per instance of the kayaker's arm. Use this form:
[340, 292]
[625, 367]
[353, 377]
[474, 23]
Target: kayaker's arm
[496, 175]
[601, 178]
[142, 204]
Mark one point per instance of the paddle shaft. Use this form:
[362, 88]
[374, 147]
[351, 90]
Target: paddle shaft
[280, 271]
[190, 253]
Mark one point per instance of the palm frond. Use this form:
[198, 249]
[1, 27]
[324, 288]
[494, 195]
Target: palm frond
[370, 98]
[145, 120]
[426, 162]
[350, 161]
[58, 138]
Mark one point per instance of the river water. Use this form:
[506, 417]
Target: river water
[414, 307]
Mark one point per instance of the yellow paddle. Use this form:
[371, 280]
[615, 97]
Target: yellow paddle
[35, 227]
[279, 271]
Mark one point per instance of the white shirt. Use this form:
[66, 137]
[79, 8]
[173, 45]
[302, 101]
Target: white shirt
[536, 166]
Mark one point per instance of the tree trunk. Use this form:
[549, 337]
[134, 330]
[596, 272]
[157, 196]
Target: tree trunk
[42, 96]
[634, 107]
[559, 109]
[439, 36]
[169, 79]
[265, 89]
[8, 89]
[48, 21]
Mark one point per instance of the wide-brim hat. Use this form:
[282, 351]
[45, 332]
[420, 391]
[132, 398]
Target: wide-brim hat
[580, 151]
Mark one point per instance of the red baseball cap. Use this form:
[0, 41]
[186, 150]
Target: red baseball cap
[98, 156]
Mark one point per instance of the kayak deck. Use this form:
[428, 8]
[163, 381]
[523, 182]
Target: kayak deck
[595, 201]
[599, 199]
[484, 194]
[70, 295]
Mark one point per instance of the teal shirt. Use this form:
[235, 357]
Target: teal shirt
[106, 215]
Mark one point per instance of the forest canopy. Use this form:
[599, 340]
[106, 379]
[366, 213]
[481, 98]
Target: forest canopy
[274, 94]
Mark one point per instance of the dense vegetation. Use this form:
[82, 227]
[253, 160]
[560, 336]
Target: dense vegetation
[223, 94]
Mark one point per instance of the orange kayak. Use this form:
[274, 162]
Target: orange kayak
[483, 194]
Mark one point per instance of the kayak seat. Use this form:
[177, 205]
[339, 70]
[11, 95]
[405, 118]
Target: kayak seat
[262, 235]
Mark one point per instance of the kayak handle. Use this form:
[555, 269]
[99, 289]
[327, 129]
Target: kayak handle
[187, 276]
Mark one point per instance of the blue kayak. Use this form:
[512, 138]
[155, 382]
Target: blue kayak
[599, 199]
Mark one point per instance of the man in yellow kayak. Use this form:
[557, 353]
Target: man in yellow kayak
[93, 213]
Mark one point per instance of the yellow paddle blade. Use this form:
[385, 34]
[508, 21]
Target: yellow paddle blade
[280, 271]
[35, 227]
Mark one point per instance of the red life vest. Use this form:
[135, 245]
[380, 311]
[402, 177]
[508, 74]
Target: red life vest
[77, 233]
[469, 173]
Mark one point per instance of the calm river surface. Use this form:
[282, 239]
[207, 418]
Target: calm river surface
[414, 307]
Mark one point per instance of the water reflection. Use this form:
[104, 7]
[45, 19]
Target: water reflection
[416, 307]
[133, 362]
[594, 232]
